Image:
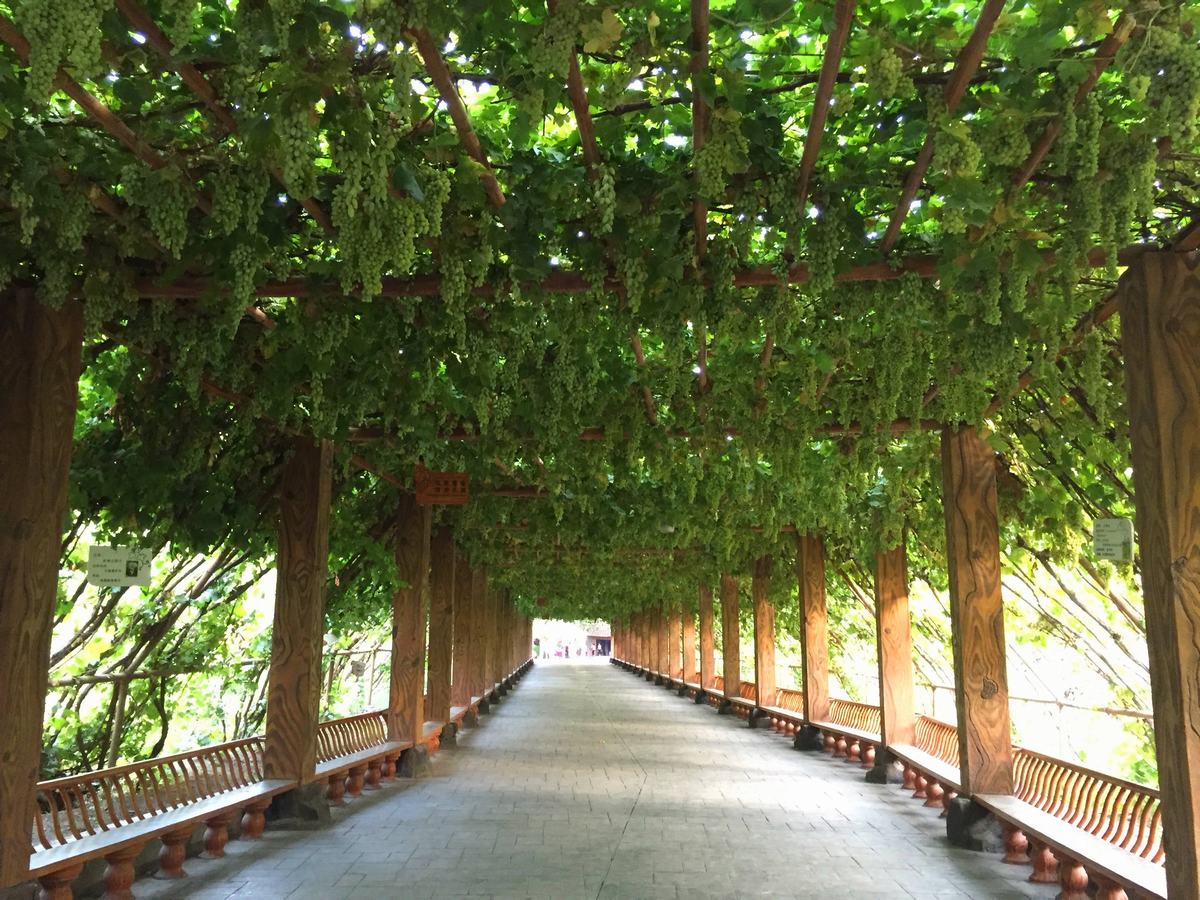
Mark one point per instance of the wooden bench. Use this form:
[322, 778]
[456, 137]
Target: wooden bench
[929, 777]
[353, 753]
[114, 813]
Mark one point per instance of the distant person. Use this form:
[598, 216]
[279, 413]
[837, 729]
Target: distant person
[537, 648]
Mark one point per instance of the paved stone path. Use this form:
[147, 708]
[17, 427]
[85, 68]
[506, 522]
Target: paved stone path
[589, 783]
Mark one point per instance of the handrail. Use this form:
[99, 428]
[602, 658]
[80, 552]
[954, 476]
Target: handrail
[852, 714]
[790, 699]
[937, 738]
[76, 806]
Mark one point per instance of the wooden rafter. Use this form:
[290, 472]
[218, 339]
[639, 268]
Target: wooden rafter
[439, 72]
[577, 92]
[700, 115]
[202, 88]
[968, 62]
[835, 45]
[923, 266]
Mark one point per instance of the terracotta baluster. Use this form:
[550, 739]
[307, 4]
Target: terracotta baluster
[1045, 864]
[854, 751]
[1109, 890]
[1073, 879]
[254, 819]
[830, 743]
[910, 778]
[387, 770]
[374, 774]
[118, 877]
[933, 794]
[1016, 845]
[335, 791]
[947, 799]
[173, 853]
[354, 781]
[216, 835]
[57, 885]
[868, 755]
[919, 785]
[840, 748]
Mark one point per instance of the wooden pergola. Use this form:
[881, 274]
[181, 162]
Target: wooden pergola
[167, 108]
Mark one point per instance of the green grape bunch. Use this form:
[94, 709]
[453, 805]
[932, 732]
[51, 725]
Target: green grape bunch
[60, 33]
[550, 53]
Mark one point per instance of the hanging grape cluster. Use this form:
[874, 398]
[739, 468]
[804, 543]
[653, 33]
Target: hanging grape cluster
[604, 195]
[1164, 67]
[885, 74]
[60, 33]
[166, 196]
[550, 53]
[297, 151]
[724, 154]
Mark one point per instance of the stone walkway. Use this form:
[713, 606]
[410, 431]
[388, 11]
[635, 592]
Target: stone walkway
[589, 783]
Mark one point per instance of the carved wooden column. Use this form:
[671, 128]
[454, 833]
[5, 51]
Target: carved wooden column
[39, 383]
[708, 651]
[814, 639]
[674, 643]
[976, 612]
[460, 694]
[294, 679]
[893, 636]
[1160, 331]
[690, 675]
[730, 640]
[764, 638]
[410, 604]
[487, 649]
[662, 662]
[441, 624]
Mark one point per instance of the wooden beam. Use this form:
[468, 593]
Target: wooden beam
[1160, 328]
[435, 65]
[731, 637]
[39, 378]
[893, 637]
[688, 623]
[976, 612]
[707, 640]
[968, 62]
[843, 16]
[410, 609]
[298, 629]
[814, 637]
[764, 634]
[441, 624]
[698, 64]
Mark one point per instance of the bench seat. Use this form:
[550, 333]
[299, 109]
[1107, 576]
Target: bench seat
[345, 763]
[846, 730]
[90, 846]
[789, 715]
[1095, 854]
[928, 764]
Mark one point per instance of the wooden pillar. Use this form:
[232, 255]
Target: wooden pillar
[441, 624]
[708, 650]
[674, 643]
[814, 638]
[893, 637]
[294, 679]
[489, 620]
[1160, 330]
[478, 661]
[731, 639]
[764, 635]
[410, 605]
[689, 647]
[462, 685]
[662, 648]
[976, 612]
[39, 383]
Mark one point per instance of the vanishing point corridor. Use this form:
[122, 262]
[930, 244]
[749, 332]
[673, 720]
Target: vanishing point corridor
[586, 782]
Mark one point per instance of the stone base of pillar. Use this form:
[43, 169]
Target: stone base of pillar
[701, 697]
[884, 771]
[758, 718]
[470, 719]
[503, 689]
[494, 697]
[725, 709]
[483, 707]
[449, 736]
[413, 762]
[683, 689]
[808, 738]
[649, 675]
[659, 680]
[302, 807]
[968, 824]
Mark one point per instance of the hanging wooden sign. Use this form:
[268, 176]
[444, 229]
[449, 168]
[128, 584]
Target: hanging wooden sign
[118, 566]
[440, 488]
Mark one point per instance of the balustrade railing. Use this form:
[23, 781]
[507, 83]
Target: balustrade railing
[937, 738]
[852, 714]
[1123, 813]
[341, 737]
[77, 806]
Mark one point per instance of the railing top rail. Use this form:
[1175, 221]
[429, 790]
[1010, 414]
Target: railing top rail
[370, 714]
[127, 768]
